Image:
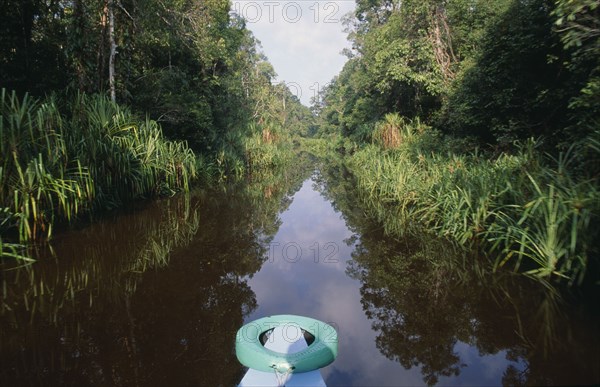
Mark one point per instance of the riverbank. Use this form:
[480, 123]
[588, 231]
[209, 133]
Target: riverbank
[69, 158]
[61, 161]
[527, 211]
[140, 295]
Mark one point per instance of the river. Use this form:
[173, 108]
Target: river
[153, 295]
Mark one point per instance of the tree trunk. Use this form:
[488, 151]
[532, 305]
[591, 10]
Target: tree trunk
[101, 52]
[113, 50]
[27, 13]
[79, 15]
[440, 37]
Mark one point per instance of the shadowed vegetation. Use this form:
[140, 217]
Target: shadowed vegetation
[533, 213]
[477, 121]
[191, 71]
[92, 155]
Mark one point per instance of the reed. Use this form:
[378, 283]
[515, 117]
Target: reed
[388, 132]
[528, 211]
[58, 163]
[129, 157]
[552, 233]
[14, 251]
[264, 155]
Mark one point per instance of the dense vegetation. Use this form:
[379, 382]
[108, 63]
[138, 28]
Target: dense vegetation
[99, 155]
[104, 101]
[477, 121]
[422, 294]
[193, 252]
[192, 66]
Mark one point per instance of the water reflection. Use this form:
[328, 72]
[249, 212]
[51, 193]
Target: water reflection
[155, 296]
[437, 309]
[460, 328]
[305, 274]
[149, 297]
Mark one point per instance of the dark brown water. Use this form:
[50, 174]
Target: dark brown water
[154, 296]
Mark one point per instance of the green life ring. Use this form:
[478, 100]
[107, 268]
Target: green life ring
[321, 352]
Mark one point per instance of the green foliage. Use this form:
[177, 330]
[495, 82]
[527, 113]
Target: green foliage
[496, 71]
[187, 68]
[319, 147]
[263, 157]
[553, 226]
[32, 34]
[38, 180]
[191, 66]
[518, 86]
[578, 25]
[403, 66]
[408, 55]
[57, 165]
[488, 73]
[537, 214]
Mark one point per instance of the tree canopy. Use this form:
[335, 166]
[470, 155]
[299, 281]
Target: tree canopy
[497, 71]
[192, 66]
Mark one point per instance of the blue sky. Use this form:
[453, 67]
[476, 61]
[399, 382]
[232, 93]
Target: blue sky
[302, 39]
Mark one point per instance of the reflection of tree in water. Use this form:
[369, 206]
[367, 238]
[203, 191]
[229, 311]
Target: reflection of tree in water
[152, 297]
[418, 316]
[425, 297]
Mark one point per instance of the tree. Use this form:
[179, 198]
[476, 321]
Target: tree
[192, 66]
[519, 85]
[578, 25]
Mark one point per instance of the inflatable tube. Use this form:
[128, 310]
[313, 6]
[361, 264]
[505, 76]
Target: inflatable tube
[251, 353]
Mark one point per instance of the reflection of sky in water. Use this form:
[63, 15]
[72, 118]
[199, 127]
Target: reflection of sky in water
[294, 283]
[480, 370]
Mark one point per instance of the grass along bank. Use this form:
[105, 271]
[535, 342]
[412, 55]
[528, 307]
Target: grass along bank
[530, 212]
[60, 161]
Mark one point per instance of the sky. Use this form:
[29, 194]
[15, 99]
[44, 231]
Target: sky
[302, 39]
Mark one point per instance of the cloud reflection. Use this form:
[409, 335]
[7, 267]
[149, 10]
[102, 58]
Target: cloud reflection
[322, 290]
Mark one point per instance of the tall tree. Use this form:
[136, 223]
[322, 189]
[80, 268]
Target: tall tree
[519, 85]
[578, 25]
[113, 50]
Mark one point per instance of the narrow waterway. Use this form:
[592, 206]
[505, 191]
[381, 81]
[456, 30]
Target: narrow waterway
[155, 295]
[307, 274]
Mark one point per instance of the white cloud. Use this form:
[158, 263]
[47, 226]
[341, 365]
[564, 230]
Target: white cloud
[302, 39]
